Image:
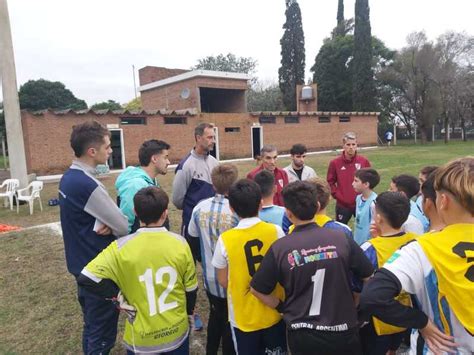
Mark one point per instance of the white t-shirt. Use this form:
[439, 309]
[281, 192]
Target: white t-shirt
[417, 277]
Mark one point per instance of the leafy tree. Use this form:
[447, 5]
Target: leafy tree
[292, 67]
[431, 83]
[264, 98]
[228, 63]
[333, 71]
[363, 87]
[42, 94]
[134, 105]
[106, 105]
[414, 98]
[454, 51]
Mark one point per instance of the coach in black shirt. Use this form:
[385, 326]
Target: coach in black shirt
[313, 265]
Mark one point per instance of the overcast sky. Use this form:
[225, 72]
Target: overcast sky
[91, 45]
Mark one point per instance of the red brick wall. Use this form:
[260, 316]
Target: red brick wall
[169, 96]
[149, 74]
[315, 135]
[48, 151]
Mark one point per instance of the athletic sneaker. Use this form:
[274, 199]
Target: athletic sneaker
[197, 322]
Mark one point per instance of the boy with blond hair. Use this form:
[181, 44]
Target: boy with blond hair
[437, 268]
[209, 219]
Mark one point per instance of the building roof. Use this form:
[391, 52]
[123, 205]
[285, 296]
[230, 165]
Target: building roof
[312, 113]
[162, 112]
[194, 74]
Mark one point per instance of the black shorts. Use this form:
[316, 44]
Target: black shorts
[315, 342]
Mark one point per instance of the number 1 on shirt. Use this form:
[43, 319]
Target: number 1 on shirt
[318, 281]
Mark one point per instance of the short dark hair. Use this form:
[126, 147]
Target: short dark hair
[407, 184]
[368, 175]
[199, 130]
[323, 189]
[301, 198]
[394, 206]
[427, 188]
[86, 135]
[245, 197]
[150, 148]
[223, 176]
[298, 149]
[427, 170]
[150, 203]
[266, 181]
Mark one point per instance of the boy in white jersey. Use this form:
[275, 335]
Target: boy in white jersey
[154, 270]
[437, 269]
[210, 218]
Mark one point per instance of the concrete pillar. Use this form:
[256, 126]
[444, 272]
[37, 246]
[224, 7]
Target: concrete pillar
[415, 133]
[11, 104]
[448, 134]
[433, 133]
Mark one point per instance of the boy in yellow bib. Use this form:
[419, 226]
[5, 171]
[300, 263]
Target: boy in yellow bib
[154, 269]
[437, 268]
[256, 328]
[391, 211]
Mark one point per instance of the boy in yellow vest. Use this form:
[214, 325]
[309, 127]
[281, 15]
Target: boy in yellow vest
[391, 211]
[437, 268]
[154, 269]
[256, 328]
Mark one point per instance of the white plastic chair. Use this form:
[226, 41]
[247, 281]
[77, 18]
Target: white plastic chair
[36, 187]
[11, 186]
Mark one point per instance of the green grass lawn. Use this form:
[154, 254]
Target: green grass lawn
[38, 308]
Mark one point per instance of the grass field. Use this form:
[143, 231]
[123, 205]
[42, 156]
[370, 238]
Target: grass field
[38, 308]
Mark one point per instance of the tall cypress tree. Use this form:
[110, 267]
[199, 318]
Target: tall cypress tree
[291, 71]
[363, 88]
[340, 13]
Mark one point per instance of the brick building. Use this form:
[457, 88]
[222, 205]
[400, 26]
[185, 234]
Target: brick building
[174, 102]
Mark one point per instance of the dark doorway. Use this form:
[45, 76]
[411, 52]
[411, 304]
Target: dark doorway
[215, 151]
[257, 140]
[116, 159]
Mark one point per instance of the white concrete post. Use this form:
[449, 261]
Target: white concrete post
[11, 104]
[433, 133]
[394, 134]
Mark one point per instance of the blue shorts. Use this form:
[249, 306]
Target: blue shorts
[265, 341]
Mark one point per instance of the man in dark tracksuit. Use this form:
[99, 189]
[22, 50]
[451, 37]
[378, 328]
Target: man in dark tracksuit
[90, 221]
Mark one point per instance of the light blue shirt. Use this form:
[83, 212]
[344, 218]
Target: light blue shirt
[272, 214]
[363, 218]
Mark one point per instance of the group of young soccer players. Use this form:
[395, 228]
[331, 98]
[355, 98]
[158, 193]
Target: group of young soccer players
[292, 279]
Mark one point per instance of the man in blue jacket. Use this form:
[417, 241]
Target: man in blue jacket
[90, 221]
[153, 157]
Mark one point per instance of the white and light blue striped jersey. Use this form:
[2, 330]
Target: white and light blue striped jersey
[210, 218]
